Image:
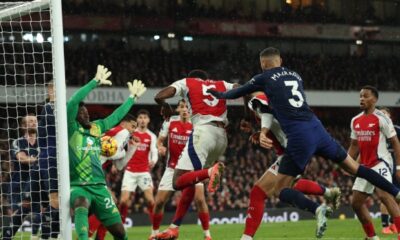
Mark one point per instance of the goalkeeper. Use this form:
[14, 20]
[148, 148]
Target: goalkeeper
[88, 187]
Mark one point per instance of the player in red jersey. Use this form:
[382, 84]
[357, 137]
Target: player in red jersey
[137, 170]
[177, 130]
[272, 129]
[369, 131]
[122, 134]
[208, 140]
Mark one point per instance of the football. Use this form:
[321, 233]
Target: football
[108, 146]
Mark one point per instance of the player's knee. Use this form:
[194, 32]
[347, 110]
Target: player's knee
[81, 202]
[356, 205]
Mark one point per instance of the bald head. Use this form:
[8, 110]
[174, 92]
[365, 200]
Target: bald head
[270, 58]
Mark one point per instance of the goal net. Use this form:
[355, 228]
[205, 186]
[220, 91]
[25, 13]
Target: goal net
[29, 80]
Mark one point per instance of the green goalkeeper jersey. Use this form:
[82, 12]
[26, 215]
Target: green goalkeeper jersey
[84, 144]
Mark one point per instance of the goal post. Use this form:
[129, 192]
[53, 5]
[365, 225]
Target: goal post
[31, 54]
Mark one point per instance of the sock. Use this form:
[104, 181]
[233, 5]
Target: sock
[298, 200]
[46, 218]
[183, 204]
[94, 224]
[309, 187]
[369, 229]
[396, 221]
[55, 222]
[157, 218]
[81, 223]
[36, 223]
[385, 220]
[377, 180]
[246, 237]
[123, 209]
[191, 178]
[101, 232]
[255, 211]
[150, 207]
[205, 222]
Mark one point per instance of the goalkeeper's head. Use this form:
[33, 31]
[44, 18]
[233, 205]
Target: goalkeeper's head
[83, 116]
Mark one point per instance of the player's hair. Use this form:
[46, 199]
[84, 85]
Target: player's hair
[129, 117]
[51, 82]
[81, 104]
[181, 100]
[373, 89]
[198, 73]
[143, 112]
[270, 51]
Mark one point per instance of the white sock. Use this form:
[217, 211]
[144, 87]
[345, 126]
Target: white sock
[207, 233]
[246, 237]
[154, 232]
[173, 226]
[327, 192]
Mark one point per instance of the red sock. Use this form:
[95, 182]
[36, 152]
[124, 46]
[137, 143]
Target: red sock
[191, 178]
[123, 210]
[309, 187]
[94, 224]
[369, 229]
[157, 218]
[183, 204]
[150, 207]
[396, 221]
[205, 220]
[101, 233]
[255, 210]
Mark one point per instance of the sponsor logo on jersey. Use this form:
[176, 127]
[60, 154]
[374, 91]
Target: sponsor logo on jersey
[371, 125]
[174, 129]
[357, 126]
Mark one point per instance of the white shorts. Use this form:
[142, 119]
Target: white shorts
[132, 180]
[275, 166]
[204, 147]
[166, 180]
[362, 185]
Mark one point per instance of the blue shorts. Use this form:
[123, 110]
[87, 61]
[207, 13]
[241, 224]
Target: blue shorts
[308, 138]
[49, 174]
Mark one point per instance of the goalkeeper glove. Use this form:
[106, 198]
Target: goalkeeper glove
[136, 88]
[101, 75]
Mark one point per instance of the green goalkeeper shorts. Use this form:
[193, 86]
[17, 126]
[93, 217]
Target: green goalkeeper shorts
[101, 203]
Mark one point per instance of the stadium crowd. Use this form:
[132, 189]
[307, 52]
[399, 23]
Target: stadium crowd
[185, 10]
[159, 67]
[245, 163]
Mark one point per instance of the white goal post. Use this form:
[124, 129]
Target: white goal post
[16, 15]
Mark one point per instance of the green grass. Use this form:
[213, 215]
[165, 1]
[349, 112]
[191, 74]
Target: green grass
[302, 230]
[337, 229]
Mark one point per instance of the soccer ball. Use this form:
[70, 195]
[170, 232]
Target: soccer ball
[108, 146]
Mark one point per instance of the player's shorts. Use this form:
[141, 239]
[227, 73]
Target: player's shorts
[305, 139]
[275, 166]
[167, 179]
[49, 174]
[101, 202]
[132, 180]
[205, 146]
[362, 185]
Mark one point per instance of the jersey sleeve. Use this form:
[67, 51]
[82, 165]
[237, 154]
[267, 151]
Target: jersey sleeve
[73, 103]
[153, 150]
[386, 126]
[266, 120]
[254, 85]
[353, 134]
[180, 87]
[19, 146]
[119, 113]
[164, 129]
[228, 85]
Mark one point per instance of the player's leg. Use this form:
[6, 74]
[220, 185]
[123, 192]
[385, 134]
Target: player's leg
[118, 231]
[391, 205]
[358, 205]
[129, 185]
[385, 219]
[202, 209]
[80, 202]
[145, 183]
[94, 224]
[53, 198]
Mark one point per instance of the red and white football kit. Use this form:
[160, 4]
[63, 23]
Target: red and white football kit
[371, 132]
[121, 157]
[208, 140]
[177, 133]
[138, 167]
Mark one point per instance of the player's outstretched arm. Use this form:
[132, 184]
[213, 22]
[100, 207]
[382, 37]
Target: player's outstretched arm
[137, 89]
[101, 78]
[235, 92]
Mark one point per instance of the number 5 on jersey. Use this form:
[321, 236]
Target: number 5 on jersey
[214, 101]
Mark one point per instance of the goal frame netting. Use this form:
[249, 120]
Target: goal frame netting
[60, 101]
